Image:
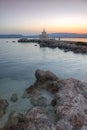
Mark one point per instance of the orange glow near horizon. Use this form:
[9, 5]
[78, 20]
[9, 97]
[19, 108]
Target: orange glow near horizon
[31, 16]
[68, 25]
[67, 29]
[49, 27]
[56, 25]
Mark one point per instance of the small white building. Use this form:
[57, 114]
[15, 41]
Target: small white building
[44, 35]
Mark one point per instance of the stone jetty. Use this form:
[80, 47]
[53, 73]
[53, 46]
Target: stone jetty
[76, 47]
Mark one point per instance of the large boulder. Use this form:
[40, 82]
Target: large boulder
[44, 80]
[45, 76]
[3, 106]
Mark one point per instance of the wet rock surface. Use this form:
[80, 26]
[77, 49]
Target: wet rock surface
[45, 76]
[69, 100]
[38, 120]
[57, 104]
[16, 122]
[3, 106]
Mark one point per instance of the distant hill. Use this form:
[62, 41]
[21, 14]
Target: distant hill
[52, 35]
[17, 36]
[11, 36]
[67, 35]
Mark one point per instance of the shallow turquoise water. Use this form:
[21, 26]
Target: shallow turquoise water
[18, 62]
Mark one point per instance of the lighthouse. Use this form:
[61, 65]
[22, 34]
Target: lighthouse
[44, 35]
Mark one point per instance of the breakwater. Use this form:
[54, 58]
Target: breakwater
[76, 47]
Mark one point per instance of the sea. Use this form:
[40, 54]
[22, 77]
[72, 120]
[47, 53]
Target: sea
[18, 62]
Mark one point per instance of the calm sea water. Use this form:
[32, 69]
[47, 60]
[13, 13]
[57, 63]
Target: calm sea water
[18, 62]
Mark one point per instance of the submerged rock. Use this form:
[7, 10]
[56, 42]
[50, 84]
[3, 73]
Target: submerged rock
[14, 97]
[16, 122]
[3, 106]
[13, 41]
[39, 101]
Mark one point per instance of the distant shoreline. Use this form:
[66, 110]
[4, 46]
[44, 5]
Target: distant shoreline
[51, 35]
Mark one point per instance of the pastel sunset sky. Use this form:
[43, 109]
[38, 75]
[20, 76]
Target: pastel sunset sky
[31, 16]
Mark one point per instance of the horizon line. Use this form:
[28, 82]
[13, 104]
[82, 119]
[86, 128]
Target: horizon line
[40, 33]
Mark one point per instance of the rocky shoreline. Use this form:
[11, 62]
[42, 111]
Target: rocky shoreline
[57, 105]
[76, 47]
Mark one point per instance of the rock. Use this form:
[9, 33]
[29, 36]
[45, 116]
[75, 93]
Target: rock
[3, 106]
[39, 101]
[63, 125]
[14, 97]
[66, 50]
[16, 122]
[69, 100]
[13, 41]
[53, 86]
[30, 89]
[85, 94]
[28, 40]
[45, 76]
[54, 102]
[34, 119]
[77, 121]
[73, 106]
[42, 44]
[37, 120]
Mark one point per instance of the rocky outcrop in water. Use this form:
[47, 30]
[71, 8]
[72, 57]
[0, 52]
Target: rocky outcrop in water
[3, 106]
[57, 104]
[43, 76]
[69, 100]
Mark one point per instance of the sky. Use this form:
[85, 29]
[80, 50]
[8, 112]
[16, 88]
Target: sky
[31, 16]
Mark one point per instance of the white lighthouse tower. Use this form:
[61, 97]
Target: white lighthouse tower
[44, 35]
